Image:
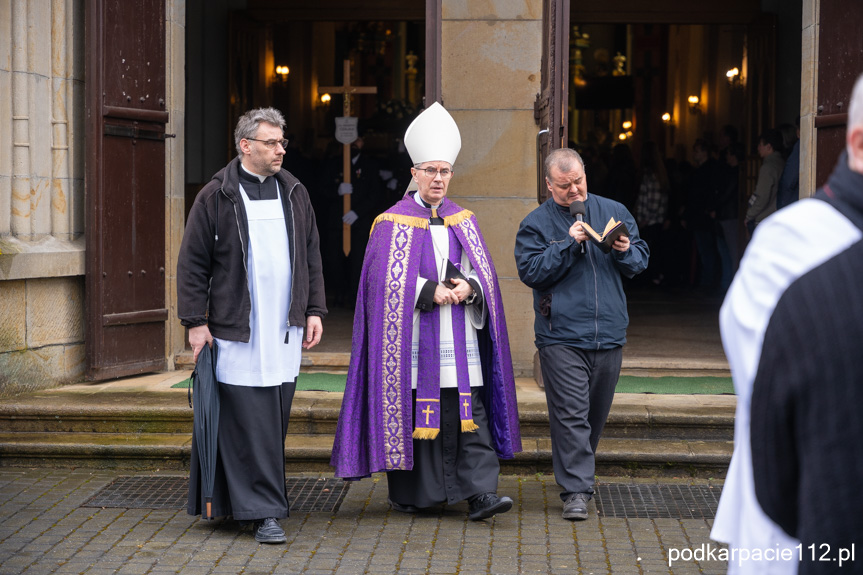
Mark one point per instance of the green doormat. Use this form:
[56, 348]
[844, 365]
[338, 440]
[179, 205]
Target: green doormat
[678, 385]
[626, 384]
[305, 382]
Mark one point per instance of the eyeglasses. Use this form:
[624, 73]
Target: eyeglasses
[433, 172]
[271, 144]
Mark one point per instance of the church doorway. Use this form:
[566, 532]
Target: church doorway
[297, 57]
[674, 89]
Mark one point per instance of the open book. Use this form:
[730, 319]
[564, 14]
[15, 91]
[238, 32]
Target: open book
[613, 230]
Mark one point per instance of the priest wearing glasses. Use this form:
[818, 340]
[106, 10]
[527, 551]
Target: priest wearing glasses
[249, 280]
[430, 396]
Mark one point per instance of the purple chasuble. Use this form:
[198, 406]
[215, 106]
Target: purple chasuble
[376, 423]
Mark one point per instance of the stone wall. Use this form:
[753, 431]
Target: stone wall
[42, 189]
[175, 206]
[490, 60]
[41, 193]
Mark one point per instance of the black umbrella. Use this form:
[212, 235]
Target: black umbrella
[206, 419]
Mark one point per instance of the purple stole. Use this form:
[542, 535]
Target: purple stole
[427, 414]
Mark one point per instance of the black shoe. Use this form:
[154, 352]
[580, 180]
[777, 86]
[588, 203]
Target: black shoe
[403, 508]
[575, 507]
[487, 505]
[269, 531]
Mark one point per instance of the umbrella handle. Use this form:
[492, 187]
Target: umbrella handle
[191, 383]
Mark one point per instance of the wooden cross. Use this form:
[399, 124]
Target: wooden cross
[428, 411]
[347, 90]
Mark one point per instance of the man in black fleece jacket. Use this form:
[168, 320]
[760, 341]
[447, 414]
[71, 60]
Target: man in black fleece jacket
[249, 281]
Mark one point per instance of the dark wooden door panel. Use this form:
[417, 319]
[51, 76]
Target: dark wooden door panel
[134, 60]
[550, 108]
[134, 259]
[125, 184]
[840, 61]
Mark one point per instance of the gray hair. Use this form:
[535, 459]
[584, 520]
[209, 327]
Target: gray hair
[249, 122]
[855, 110]
[562, 159]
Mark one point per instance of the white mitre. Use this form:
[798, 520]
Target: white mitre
[433, 137]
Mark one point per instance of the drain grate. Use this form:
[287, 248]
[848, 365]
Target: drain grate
[652, 501]
[309, 494]
[152, 492]
[306, 494]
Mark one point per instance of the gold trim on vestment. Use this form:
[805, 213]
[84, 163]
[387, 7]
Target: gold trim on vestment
[395, 307]
[467, 426]
[423, 223]
[425, 432]
[458, 218]
[411, 221]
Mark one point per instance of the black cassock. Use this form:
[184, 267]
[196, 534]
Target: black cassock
[452, 467]
[253, 423]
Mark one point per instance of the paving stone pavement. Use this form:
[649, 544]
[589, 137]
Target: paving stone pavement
[44, 529]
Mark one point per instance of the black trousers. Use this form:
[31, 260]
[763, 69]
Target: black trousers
[579, 389]
[452, 467]
[250, 464]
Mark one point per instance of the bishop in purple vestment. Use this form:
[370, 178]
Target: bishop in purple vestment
[430, 396]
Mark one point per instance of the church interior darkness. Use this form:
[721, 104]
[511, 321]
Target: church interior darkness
[630, 82]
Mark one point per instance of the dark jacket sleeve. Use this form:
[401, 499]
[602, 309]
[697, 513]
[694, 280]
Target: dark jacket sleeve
[194, 264]
[634, 260]
[317, 304]
[542, 263]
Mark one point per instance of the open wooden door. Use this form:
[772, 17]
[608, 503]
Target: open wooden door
[839, 64]
[125, 187]
[550, 108]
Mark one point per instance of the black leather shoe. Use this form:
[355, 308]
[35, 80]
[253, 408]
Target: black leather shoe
[487, 505]
[403, 508]
[269, 531]
[575, 506]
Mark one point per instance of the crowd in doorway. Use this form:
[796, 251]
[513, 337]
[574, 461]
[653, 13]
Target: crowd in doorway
[693, 208]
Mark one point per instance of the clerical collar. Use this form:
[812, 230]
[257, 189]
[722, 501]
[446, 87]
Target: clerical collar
[258, 187]
[424, 203]
[251, 175]
[434, 219]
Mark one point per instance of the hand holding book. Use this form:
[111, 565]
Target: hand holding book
[605, 241]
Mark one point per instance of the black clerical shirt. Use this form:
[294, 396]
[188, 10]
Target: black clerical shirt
[257, 190]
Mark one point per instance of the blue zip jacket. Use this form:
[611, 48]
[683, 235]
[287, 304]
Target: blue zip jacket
[578, 299]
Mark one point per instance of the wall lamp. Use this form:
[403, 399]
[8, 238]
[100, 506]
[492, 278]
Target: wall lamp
[283, 71]
[694, 108]
[325, 98]
[666, 118]
[735, 80]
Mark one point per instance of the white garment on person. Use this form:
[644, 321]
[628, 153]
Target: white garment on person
[777, 256]
[266, 360]
[474, 318]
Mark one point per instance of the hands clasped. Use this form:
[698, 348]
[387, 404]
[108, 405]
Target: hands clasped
[445, 296]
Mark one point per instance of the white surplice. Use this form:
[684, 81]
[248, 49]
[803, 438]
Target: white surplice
[266, 360]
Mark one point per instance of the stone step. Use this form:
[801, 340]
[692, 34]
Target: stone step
[642, 366]
[307, 452]
[317, 413]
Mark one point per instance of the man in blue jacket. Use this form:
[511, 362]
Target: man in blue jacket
[581, 316]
